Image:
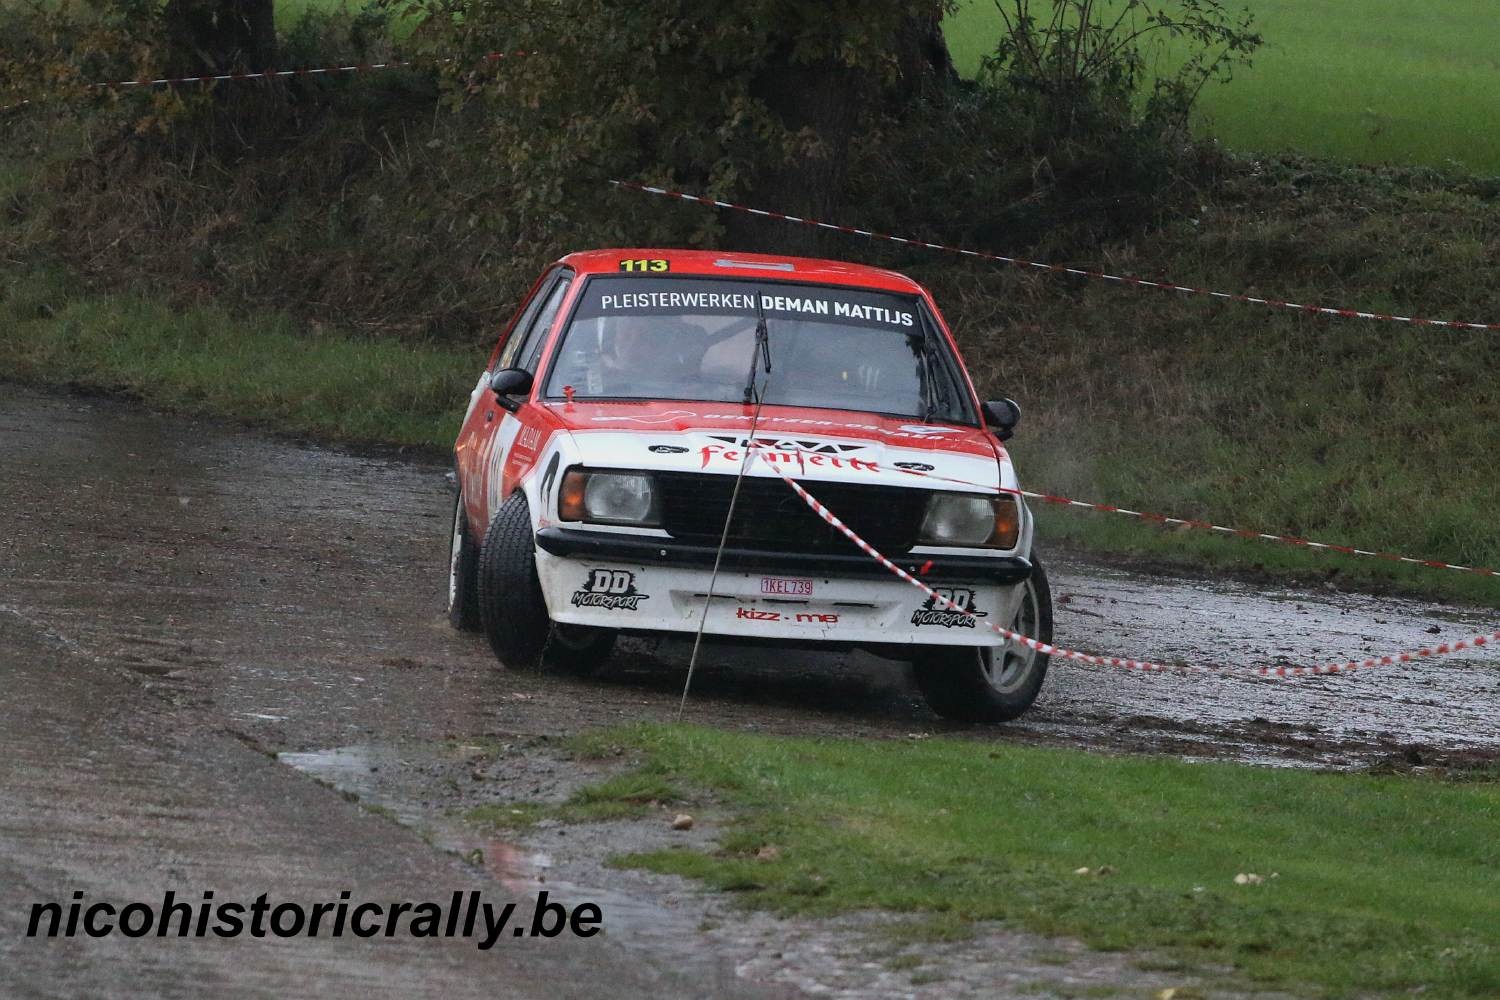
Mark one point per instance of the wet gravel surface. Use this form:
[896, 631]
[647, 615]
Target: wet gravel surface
[179, 600]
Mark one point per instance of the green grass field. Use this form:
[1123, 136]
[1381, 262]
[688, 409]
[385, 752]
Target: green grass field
[1368, 81]
[1373, 886]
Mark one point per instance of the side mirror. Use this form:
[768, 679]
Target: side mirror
[1002, 415]
[509, 382]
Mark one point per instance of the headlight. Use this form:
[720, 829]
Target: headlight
[608, 498]
[970, 520]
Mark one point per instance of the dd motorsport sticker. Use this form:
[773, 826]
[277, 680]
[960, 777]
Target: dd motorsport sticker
[933, 613]
[611, 589]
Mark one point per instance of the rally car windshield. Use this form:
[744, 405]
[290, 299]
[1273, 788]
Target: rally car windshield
[694, 339]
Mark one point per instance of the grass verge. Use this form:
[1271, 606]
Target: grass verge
[261, 369]
[625, 796]
[1383, 885]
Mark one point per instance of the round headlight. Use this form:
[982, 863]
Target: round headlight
[622, 499]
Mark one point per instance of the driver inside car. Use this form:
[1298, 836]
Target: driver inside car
[646, 355]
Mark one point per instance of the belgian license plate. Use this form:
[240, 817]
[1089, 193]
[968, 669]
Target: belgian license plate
[781, 586]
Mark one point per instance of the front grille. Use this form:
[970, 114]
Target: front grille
[770, 516]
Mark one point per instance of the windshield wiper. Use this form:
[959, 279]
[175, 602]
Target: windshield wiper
[927, 356]
[762, 350]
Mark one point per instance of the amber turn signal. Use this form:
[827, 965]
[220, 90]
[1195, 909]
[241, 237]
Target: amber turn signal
[570, 506]
[1007, 523]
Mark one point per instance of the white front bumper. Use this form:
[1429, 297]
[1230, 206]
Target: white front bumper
[769, 605]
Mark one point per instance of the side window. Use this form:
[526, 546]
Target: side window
[544, 321]
[528, 335]
[508, 350]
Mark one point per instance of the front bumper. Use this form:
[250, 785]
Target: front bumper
[609, 546]
[653, 584]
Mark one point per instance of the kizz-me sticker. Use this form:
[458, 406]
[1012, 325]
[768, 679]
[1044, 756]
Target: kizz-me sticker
[795, 617]
[611, 589]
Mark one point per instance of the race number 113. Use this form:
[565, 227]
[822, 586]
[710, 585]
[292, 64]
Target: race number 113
[644, 265]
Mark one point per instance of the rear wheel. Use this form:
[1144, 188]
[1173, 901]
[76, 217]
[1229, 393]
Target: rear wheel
[463, 570]
[991, 683]
[511, 607]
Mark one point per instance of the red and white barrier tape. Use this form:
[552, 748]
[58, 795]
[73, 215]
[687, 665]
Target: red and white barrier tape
[1164, 519]
[270, 74]
[1021, 262]
[1047, 649]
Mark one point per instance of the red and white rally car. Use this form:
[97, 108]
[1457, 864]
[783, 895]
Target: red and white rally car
[606, 443]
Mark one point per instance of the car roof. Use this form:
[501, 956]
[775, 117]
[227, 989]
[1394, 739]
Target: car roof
[727, 264]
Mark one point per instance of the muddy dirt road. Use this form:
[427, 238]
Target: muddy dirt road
[179, 600]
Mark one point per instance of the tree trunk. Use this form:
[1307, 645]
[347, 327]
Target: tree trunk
[221, 36]
[832, 102]
[922, 56]
[827, 101]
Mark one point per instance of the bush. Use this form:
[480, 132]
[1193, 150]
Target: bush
[1063, 141]
[347, 200]
[1079, 70]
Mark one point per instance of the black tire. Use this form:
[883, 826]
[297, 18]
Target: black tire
[578, 649]
[511, 607]
[957, 680]
[463, 573]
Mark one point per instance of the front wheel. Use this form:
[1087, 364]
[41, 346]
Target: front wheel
[991, 683]
[578, 649]
[511, 606]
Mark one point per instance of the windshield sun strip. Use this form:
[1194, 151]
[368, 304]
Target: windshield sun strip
[967, 413]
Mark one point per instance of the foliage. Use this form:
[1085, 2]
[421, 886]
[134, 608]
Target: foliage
[1078, 65]
[55, 48]
[1064, 140]
[667, 91]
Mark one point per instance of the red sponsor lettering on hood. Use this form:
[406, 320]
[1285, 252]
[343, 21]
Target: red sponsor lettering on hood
[781, 428]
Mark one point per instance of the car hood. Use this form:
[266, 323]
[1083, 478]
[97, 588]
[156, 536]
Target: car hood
[812, 444]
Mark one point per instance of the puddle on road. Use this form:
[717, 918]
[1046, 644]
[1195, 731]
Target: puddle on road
[403, 783]
[356, 771]
[1347, 720]
[705, 937]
